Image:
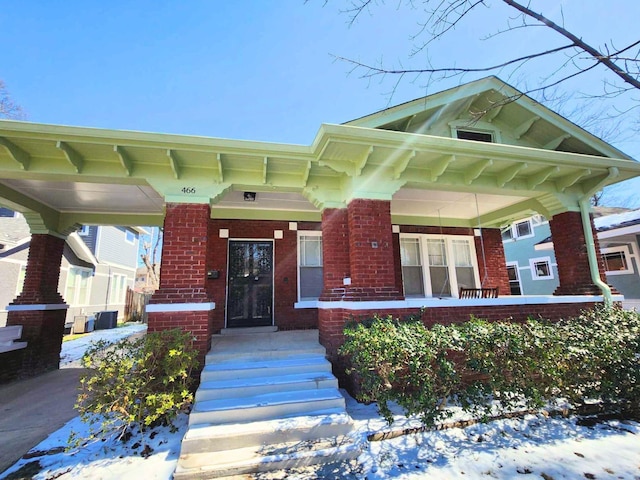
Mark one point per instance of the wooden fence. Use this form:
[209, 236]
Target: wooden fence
[135, 307]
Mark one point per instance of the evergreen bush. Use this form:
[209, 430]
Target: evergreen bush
[484, 366]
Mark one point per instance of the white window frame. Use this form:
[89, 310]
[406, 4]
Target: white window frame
[479, 126]
[128, 232]
[22, 273]
[517, 267]
[118, 288]
[513, 228]
[75, 301]
[453, 280]
[306, 233]
[534, 272]
[627, 258]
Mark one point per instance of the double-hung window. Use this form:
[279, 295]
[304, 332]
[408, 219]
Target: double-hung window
[310, 281]
[518, 230]
[437, 265]
[77, 289]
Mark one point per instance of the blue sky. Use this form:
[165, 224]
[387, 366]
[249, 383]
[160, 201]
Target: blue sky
[258, 69]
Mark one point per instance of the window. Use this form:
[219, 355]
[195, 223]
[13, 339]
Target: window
[84, 231]
[514, 279]
[475, 135]
[5, 212]
[129, 236]
[617, 261]
[541, 268]
[518, 230]
[21, 275]
[310, 282]
[449, 264]
[118, 288]
[410, 259]
[77, 290]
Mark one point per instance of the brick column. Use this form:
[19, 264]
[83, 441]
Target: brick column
[40, 309]
[357, 243]
[182, 300]
[335, 252]
[495, 274]
[571, 255]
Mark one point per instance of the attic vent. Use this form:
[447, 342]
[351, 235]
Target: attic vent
[475, 135]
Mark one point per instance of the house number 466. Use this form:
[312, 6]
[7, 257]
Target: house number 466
[188, 189]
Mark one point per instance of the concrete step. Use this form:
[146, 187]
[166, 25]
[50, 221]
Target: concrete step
[311, 380]
[214, 438]
[281, 366]
[265, 407]
[265, 458]
[248, 330]
[258, 354]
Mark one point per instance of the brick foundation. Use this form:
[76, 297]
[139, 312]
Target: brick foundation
[571, 255]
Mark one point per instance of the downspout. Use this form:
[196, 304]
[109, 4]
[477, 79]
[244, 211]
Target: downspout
[584, 204]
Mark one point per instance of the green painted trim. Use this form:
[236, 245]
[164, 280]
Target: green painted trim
[433, 221]
[116, 219]
[255, 214]
[592, 255]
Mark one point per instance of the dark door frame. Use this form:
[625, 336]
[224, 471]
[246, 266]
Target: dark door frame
[273, 269]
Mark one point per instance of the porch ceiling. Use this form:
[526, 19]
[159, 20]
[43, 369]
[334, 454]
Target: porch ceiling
[71, 175]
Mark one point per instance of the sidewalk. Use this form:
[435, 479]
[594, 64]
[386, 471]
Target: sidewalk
[32, 409]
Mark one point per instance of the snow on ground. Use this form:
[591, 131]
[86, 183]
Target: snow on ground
[72, 350]
[535, 447]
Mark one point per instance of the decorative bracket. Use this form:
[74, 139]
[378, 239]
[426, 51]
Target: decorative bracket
[73, 157]
[173, 161]
[125, 159]
[15, 152]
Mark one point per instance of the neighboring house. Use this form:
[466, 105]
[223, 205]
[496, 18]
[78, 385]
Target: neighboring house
[530, 272]
[145, 280]
[390, 213]
[98, 265]
[531, 260]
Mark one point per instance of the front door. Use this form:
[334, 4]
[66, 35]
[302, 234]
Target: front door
[250, 284]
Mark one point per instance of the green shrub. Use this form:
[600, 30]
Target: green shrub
[603, 357]
[486, 366]
[402, 362]
[135, 384]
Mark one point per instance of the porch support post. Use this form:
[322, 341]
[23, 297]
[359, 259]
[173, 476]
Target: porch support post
[572, 257]
[492, 263]
[41, 311]
[359, 266]
[182, 300]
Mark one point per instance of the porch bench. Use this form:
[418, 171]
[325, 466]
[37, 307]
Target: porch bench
[491, 292]
[8, 337]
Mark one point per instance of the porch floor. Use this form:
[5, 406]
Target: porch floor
[267, 345]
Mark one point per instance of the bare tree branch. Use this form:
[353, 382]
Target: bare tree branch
[382, 71]
[604, 59]
[442, 16]
[8, 108]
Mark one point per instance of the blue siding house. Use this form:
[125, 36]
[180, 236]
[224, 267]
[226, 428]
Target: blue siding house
[531, 260]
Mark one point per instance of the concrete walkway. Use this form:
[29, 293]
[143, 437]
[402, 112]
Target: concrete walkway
[32, 409]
